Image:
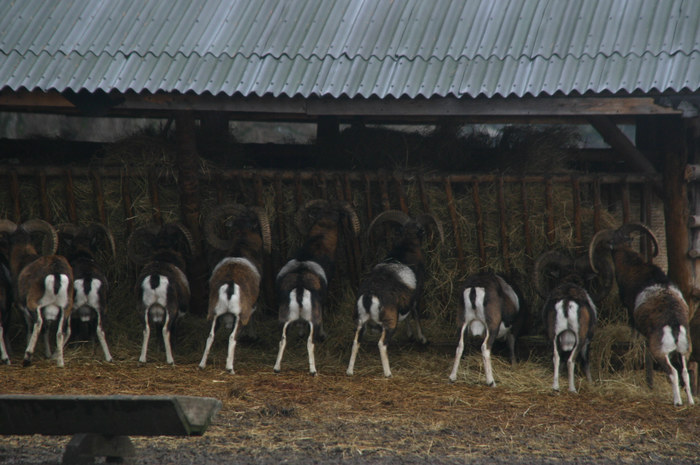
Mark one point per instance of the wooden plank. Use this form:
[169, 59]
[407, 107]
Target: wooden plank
[15, 197]
[126, 200]
[576, 193]
[622, 145]
[597, 206]
[154, 197]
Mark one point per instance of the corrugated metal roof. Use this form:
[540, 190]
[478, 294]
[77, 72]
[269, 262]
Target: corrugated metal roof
[352, 47]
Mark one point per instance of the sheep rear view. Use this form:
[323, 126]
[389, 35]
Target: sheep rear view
[234, 285]
[490, 308]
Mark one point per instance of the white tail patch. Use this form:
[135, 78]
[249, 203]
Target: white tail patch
[226, 305]
[51, 302]
[668, 342]
[566, 321]
[92, 299]
[474, 315]
[157, 295]
[297, 311]
[682, 343]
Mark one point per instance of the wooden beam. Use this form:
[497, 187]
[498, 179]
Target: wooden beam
[622, 145]
[164, 104]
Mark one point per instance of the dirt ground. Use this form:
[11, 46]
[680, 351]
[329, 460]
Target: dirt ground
[417, 416]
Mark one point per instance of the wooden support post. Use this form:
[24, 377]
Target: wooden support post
[368, 198]
[14, 195]
[187, 162]
[526, 220]
[126, 200]
[44, 198]
[479, 224]
[98, 192]
[597, 207]
[576, 193]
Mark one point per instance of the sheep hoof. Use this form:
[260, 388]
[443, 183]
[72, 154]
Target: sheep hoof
[491, 384]
[349, 372]
[276, 370]
[313, 373]
[231, 371]
[26, 362]
[453, 379]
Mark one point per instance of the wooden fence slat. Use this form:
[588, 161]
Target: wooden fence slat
[153, 196]
[98, 193]
[400, 193]
[128, 204]
[526, 220]
[549, 212]
[14, 196]
[576, 193]
[503, 227]
[455, 224]
[626, 209]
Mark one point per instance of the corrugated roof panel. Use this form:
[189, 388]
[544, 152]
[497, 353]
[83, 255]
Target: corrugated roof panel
[352, 47]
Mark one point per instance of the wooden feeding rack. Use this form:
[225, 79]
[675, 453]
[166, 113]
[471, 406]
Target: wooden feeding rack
[102, 425]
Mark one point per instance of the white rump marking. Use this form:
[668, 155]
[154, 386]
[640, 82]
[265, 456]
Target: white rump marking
[226, 305]
[295, 311]
[668, 342]
[402, 272]
[158, 295]
[294, 264]
[92, 299]
[475, 315]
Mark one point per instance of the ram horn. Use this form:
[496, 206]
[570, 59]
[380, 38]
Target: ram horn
[265, 232]
[426, 218]
[545, 261]
[599, 283]
[193, 250]
[49, 243]
[139, 245]
[348, 209]
[213, 221]
[604, 235]
[625, 230]
[94, 229]
[396, 216]
[301, 218]
[7, 226]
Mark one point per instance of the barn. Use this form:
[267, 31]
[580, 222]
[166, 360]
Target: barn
[627, 71]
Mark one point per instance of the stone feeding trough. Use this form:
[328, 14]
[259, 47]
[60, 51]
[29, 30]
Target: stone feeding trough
[102, 425]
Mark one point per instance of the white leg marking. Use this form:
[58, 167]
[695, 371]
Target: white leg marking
[166, 340]
[101, 337]
[571, 366]
[283, 344]
[486, 355]
[353, 355]
[232, 346]
[458, 353]
[310, 349]
[59, 339]
[3, 350]
[384, 355]
[555, 360]
[673, 376]
[31, 343]
[686, 381]
[146, 336]
[207, 347]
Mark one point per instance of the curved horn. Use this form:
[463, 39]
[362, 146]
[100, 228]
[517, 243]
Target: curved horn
[347, 208]
[70, 229]
[7, 226]
[140, 241]
[49, 244]
[265, 233]
[626, 229]
[396, 216]
[542, 262]
[301, 220]
[191, 245]
[604, 235]
[99, 228]
[599, 283]
[423, 219]
[211, 230]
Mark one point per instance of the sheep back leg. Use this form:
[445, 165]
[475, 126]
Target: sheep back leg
[458, 353]
[210, 341]
[571, 368]
[555, 361]
[310, 349]
[673, 376]
[232, 346]
[686, 381]
[383, 353]
[649, 367]
[166, 340]
[355, 347]
[510, 338]
[31, 343]
[283, 344]
[486, 356]
[47, 343]
[146, 337]
[60, 335]
[419, 331]
[4, 358]
[101, 338]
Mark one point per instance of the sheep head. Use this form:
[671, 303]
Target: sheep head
[227, 222]
[410, 227]
[170, 242]
[619, 239]
[556, 267]
[320, 214]
[85, 240]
